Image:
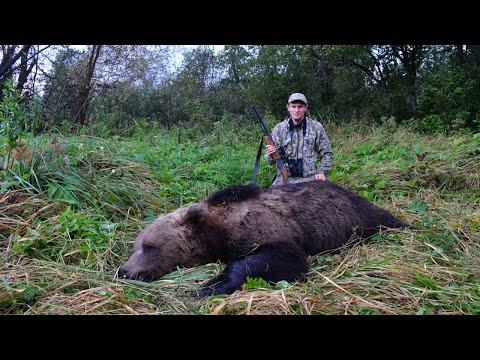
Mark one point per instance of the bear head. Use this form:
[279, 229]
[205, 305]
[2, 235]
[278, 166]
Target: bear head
[168, 242]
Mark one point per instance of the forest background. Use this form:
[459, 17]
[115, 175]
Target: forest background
[430, 87]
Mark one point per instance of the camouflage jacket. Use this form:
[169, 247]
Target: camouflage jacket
[297, 146]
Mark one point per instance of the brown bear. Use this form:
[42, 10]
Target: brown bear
[265, 233]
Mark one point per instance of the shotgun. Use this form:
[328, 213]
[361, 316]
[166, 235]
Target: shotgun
[281, 165]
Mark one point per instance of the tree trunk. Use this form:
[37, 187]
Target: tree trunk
[84, 95]
[410, 56]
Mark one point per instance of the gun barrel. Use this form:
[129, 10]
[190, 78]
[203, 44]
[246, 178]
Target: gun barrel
[260, 121]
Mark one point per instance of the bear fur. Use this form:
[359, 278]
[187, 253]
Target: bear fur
[257, 232]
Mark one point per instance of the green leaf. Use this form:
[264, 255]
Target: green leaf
[282, 284]
[33, 232]
[376, 237]
[253, 283]
[137, 282]
[421, 311]
[29, 293]
[429, 283]
[418, 207]
[366, 194]
[52, 189]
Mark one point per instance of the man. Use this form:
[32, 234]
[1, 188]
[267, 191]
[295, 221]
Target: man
[301, 140]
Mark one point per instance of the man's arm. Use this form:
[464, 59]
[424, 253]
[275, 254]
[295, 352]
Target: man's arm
[325, 151]
[274, 137]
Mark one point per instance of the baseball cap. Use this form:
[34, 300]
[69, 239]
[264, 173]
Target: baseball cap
[297, 97]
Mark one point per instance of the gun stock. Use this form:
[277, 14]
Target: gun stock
[268, 139]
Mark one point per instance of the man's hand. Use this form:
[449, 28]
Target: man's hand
[320, 176]
[271, 149]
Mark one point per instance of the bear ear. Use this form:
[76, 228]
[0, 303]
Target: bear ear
[194, 214]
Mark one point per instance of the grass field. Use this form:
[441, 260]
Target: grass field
[66, 226]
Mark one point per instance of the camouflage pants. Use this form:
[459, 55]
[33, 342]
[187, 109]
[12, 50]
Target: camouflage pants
[291, 180]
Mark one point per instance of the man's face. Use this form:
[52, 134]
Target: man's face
[297, 110]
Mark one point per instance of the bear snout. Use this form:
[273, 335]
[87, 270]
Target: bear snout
[125, 274]
[122, 272]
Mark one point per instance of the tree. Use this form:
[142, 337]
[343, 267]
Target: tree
[411, 57]
[234, 65]
[86, 86]
[18, 61]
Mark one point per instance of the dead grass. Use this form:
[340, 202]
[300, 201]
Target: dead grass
[19, 210]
